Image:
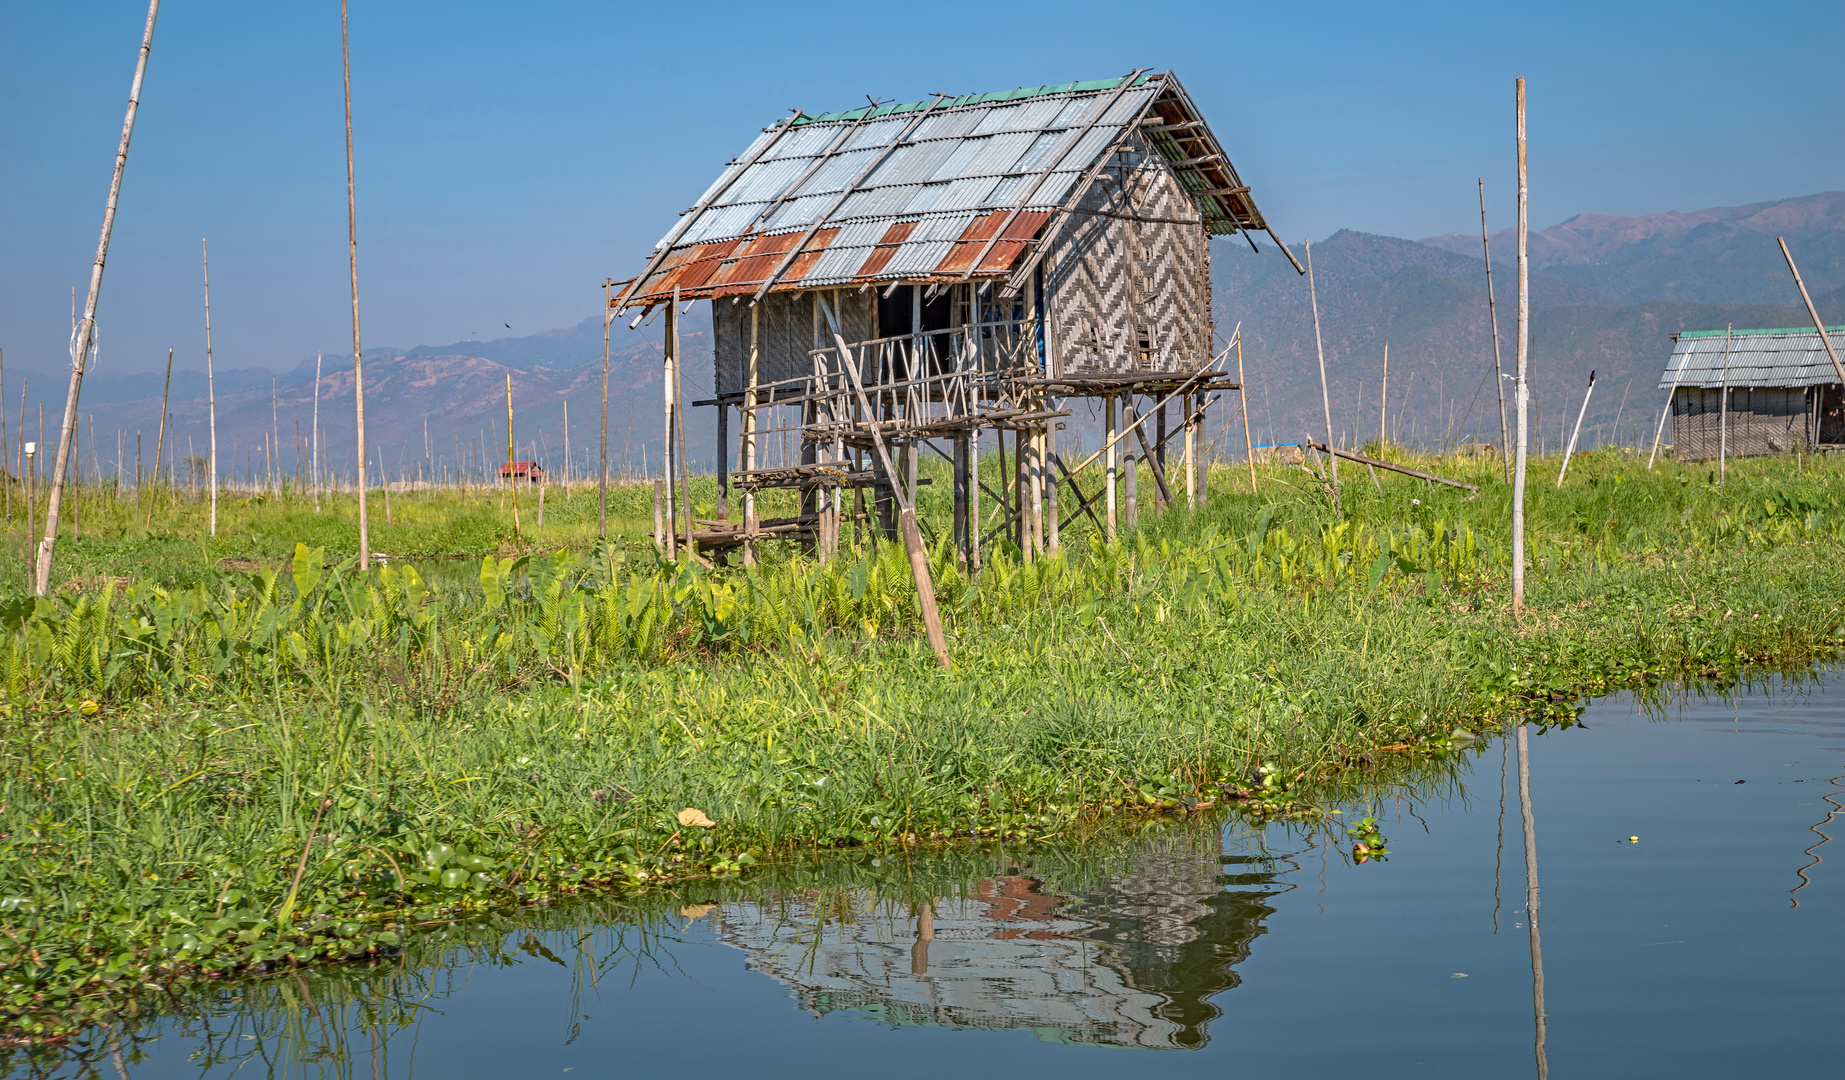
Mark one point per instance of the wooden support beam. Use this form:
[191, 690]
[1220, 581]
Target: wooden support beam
[1376, 464]
[1153, 461]
[912, 534]
[1083, 501]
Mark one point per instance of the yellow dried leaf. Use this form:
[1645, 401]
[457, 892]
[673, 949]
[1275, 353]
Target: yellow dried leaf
[696, 911]
[693, 818]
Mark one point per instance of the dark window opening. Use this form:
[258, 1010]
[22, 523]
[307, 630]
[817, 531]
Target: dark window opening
[897, 318]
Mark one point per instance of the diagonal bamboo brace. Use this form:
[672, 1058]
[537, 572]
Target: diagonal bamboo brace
[906, 510]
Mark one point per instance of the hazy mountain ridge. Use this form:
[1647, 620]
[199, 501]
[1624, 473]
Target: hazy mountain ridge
[1607, 293]
[1428, 299]
[1716, 255]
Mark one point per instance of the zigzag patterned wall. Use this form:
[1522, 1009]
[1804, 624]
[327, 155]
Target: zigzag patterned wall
[1130, 295]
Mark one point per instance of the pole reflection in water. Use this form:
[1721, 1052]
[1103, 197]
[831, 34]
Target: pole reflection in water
[1531, 900]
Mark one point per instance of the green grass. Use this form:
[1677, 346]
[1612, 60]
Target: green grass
[206, 770]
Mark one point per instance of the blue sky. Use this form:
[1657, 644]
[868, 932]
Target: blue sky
[510, 156]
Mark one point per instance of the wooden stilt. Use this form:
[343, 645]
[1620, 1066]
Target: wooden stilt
[667, 454]
[680, 465]
[602, 476]
[1159, 438]
[1052, 524]
[973, 500]
[960, 509]
[748, 454]
[662, 536]
[723, 462]
[1110, 468]
[1204, 451]
[1021, 525]
[1131, 488]
[1190, 453]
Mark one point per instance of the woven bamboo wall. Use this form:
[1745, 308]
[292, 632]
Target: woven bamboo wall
[1127, 296]
[787, 334]
[1761, 420]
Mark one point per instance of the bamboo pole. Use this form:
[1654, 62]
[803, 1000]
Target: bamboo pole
[159, 442]
[76, 480]
[912, 533]
[352, 244]
[1492, 318]
[1723, 412]
[1522, 388]
[602, 482]
[314, 436]
[1242, 388]
[1383, 401]
[85, 334]
[1313, 293]
[1812, 312]
[211, 394]
[384, 482]
[1577, 430]
[7, 474]
[1660, 430]
[512, 470]
[30, 449]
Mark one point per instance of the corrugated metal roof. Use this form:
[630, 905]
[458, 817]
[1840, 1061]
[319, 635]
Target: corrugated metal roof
[950, 170]
[1784, 357]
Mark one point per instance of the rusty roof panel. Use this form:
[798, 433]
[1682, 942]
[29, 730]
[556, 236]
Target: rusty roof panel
[1012, 242]
[848, 251]
[920, 212]
[887, 246]
[927, 245]
[758, 259]
[695, 271]
[969, 243]
[809, 255]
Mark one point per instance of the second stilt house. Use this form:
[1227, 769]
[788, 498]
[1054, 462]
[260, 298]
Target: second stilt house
[953, 270]
[1747, 393]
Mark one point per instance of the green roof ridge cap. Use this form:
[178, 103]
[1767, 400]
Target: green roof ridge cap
[1740, 333]
[1015, 94]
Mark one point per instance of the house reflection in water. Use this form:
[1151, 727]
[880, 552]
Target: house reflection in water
[1131, 961]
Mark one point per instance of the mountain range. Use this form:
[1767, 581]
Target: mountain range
[1607, 293]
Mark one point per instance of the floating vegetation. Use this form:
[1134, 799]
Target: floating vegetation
[297, 763]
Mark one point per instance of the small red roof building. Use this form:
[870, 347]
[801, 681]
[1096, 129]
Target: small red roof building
[529, 471]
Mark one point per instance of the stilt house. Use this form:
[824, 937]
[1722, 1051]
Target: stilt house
[1782, 391]
[946, 268]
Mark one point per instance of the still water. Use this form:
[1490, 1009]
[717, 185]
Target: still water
[1713, 946]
